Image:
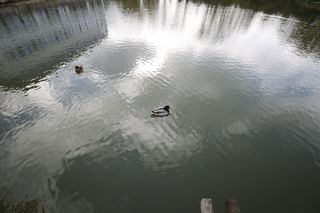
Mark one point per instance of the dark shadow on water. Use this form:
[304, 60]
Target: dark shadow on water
[8, 205]
[115, 179]
[122, 183]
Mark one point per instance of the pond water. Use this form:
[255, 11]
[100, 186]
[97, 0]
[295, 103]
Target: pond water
[242, 79]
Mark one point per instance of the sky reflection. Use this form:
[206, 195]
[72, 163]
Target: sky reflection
[233, 77]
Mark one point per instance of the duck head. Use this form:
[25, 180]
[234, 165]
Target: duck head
[167, 108]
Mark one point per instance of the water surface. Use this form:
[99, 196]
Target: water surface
[242, 80]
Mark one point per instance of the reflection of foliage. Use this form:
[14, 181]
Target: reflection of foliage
[284, 7]
[27, 59]
[130, 4]
[7, 205]
[307, 38]
[309, 4]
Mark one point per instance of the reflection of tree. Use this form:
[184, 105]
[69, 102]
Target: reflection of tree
[300, 8]
[283, 7]
[309, 4]
[54, 31]
[7, 205]
[35, 37]
[222, 17]
[307, 38]
[130, 4]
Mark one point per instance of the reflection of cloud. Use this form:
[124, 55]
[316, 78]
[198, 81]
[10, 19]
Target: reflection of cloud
[214, 64]
[259, 40]
[172, 29]
[239, 127]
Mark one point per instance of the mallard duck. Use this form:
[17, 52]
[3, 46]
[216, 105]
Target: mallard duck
[78, 69]
[161, 112]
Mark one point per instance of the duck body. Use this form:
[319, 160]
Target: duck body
[78, 69]
[161, 112]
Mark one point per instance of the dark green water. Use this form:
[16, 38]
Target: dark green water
[242, 79]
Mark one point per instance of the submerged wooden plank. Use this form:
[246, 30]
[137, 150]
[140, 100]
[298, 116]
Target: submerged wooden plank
[206, 205]
[232, 206]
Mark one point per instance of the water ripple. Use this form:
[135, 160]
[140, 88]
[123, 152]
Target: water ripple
[242, 86]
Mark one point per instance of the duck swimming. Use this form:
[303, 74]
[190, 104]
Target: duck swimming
[161, 112]
[78, 69]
